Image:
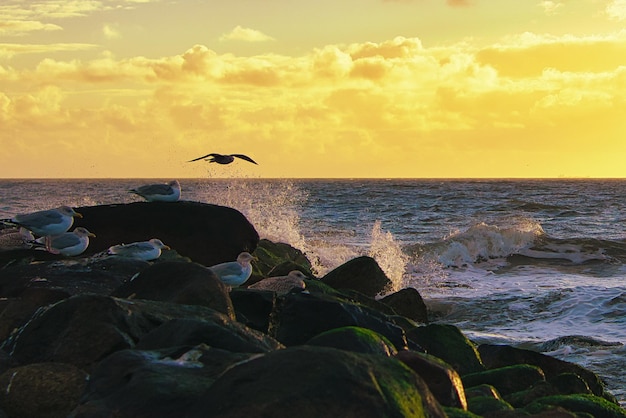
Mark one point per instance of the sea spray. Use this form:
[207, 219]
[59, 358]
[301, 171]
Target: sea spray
[389, 256]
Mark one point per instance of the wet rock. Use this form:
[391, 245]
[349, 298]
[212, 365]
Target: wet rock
[338, 383]
[207, 234]
[488, 406]
[409, 303]
[43, 390]
[253, 307]
[84, 329]
[495, 356]
[449, 344]
[301, 316]
[362, 274]
[507, 379]
[355, 339]
[278, 259]
[153, 384]
[190, 332]
[179, 282]
[593, 405]
[442, 380]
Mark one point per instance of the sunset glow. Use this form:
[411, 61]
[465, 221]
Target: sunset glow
[376, 88]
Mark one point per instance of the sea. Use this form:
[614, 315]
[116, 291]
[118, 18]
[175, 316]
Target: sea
[536, 264]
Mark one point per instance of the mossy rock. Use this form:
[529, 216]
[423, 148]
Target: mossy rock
[272, 254]
[507, 379]
[485, 390]
[355, 339]
[579, 404]
[449, 344]
[482, 405]
[458, 413]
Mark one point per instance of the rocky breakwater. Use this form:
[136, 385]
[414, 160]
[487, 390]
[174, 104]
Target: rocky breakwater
[101, 336]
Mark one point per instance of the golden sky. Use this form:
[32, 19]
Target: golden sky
[331, 88]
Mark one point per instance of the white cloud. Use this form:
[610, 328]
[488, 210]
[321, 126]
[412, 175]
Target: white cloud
[550, 7]
[616, 9]
[245, 34]
[111, 32]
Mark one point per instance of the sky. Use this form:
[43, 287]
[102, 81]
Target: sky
[324, 89]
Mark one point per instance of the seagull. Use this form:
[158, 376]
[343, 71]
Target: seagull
[143, 250]
[168, 192]
[222, 159]
[46, 222]
[282, 284]
[68, 243]
[234, 273]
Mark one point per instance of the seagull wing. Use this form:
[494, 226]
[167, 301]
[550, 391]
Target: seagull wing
[39, 219]
[63, 241]
[227, 269]
[152, 189]
[203, 157]
[244, 157]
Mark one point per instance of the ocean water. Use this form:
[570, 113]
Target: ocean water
[538, 264]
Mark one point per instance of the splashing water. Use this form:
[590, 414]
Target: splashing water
[389, 256]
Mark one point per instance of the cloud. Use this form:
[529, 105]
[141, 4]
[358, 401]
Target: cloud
[21, 27]
[111, 32]
[10, 50]
[550, 7]
[245, 34]
[616, 9]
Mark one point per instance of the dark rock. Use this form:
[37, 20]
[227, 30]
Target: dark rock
[190, 332]
[270, 255]
[84, 329]
[408, 302]
[449, 344]
[484, 390]
[300, 316]
[458, 413]
[442, 380]
[355, 339]
[484, 406]
[507, 379]
[354, 296]
[44, 390]
[362, 274]
[253, 307]
[152, 384]
[495, 356]
[179, 282]
[569, 384]
[580, 404]
[207, 234]
[338, 383]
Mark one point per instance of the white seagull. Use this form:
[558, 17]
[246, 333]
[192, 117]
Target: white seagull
[282, 284]
[222, 159]
[168, 192]
[46, 222]
[234, 273]
[68, 243]
[143, 250]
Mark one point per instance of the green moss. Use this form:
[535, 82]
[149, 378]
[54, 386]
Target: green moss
[458, 413]
[507, 379]
[482, 404]
[579, 404]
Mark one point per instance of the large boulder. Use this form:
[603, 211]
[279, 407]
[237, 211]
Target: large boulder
[309, 382]
[356, 339]
[301, 316]
[153, 384]
[207, 234]
[362, 274]
[179, 282]
[409, 303]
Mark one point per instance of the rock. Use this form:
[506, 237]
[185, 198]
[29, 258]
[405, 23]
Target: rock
[207, 234]
[593, 405]
[495, 356]
[271, 255]
[449, 344]
[355, 339]
[190, 332]
[253, 307]
[179, 282]
[43, 390]
[300, 316]
[488, 406]
[507, 379]
[362, 274]
[337, 383]
[483, 390]
[82, 330]
[154, 384]
[408, 302]
[442, 380]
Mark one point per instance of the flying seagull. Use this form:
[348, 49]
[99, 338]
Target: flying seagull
[169, 192]
[68, 243]
[234, 273]
[223, 159]
[46, 222]
[143, 250]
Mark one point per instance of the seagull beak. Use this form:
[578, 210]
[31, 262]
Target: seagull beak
[166, 247]
[78, 215]
[91, 234]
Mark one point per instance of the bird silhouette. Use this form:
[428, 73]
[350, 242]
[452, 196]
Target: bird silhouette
[222, 158]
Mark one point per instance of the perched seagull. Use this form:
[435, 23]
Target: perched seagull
[222, 159]
[143, 250]
[234, 273]
[169, 192]
[68, 243]
[46, 222]
[282, 284]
